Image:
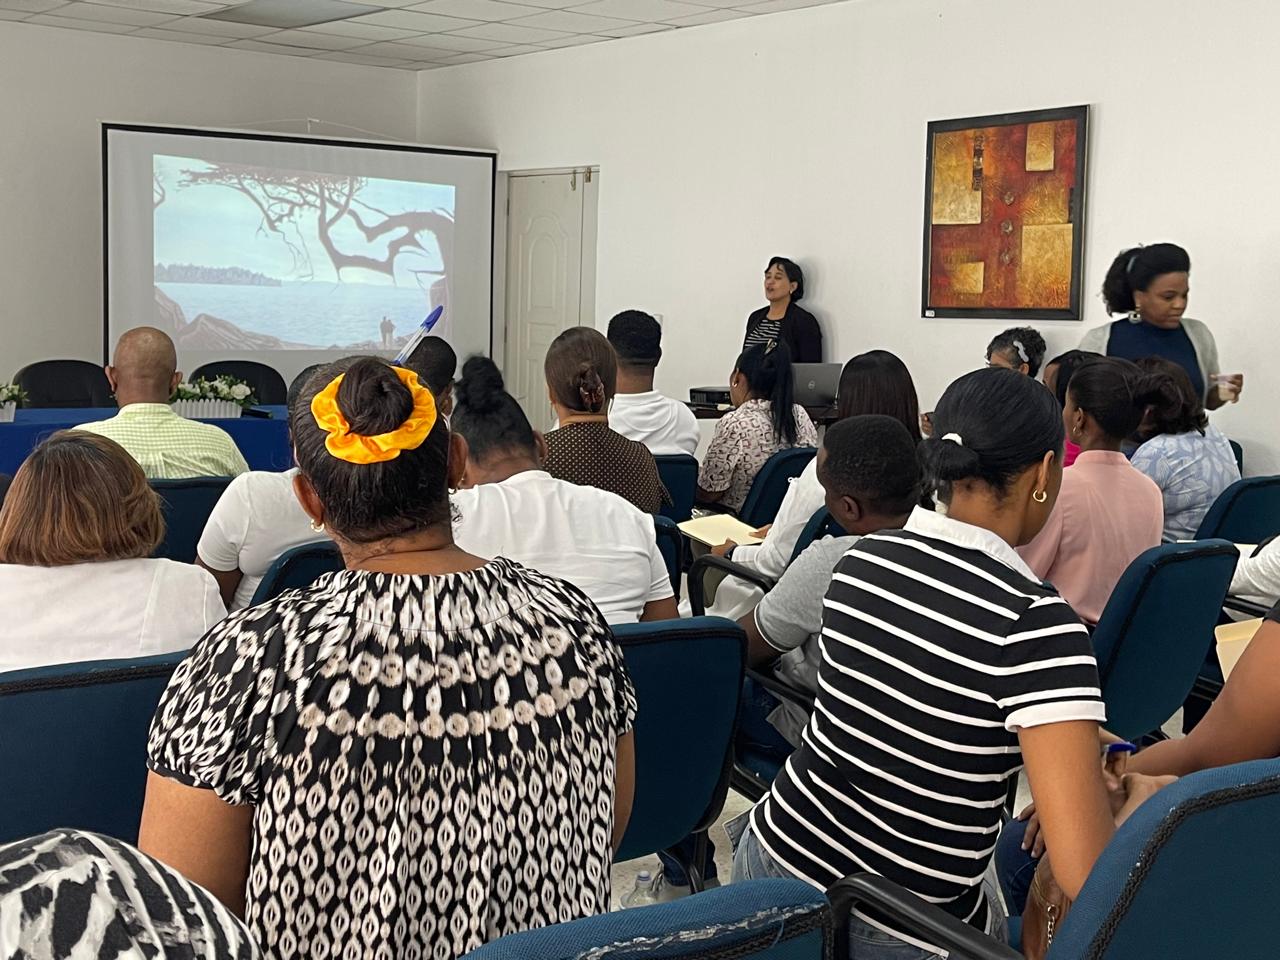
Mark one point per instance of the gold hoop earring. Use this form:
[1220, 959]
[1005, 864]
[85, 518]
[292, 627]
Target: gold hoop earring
[1040, 496]
[317, 527]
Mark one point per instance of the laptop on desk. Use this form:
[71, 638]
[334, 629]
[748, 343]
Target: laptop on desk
[816, 384]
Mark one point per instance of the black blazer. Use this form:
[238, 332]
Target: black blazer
[799, 331]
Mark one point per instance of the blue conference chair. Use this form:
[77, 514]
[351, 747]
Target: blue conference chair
[186, 505]
[1248, 511]
[1239, 454]
[298, 567]
[671, 546]
[1190, 874]
[771, 484]
[266, 383]
[762, 919]
[688, 680]
[1153, 634]
[64, 383]
[679, 474]
[73, 744]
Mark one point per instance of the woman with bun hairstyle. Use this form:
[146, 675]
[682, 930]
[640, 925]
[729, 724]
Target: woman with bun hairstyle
[1150, 285]
[946, 666]
[764, 420]
[582, 376]
[355, 767]
[784, 320]
[1108, 512]
[509, 506]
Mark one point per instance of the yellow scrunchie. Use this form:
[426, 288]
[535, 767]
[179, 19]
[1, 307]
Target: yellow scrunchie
[354, 448]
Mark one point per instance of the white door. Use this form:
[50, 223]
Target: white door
[550, 266]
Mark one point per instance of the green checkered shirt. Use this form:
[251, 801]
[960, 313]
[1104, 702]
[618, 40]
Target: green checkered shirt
[170, 447]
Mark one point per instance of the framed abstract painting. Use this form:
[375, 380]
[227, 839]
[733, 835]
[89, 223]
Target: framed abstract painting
[1004, 208]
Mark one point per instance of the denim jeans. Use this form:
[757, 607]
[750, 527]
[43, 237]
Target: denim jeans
[1015, 867]
[752, 862]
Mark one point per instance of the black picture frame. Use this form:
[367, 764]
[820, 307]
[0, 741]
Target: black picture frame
[1076, 212]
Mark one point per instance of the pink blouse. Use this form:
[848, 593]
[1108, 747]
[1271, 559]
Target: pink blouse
[1107, 513]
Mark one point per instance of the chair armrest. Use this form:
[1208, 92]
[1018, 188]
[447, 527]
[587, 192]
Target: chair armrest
[1245, 606]
[910, 913]
[781, 690]
[729, 569]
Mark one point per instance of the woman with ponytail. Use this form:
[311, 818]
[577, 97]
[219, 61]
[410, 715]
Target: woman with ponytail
[582, 377]
[1108, 512]
[1189, 458]
[764, 420]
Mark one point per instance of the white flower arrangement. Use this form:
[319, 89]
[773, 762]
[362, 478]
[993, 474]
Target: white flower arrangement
[220, 398]
[10, 396]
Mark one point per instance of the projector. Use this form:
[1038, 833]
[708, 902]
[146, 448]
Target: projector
[710, 396]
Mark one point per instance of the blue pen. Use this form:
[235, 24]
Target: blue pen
[1124, 746]
[432, 319]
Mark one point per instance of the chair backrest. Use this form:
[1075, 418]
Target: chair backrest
[820, 525]
[688, 680]
[1153, 635]
[671, 546]
[187, 505]
[1239, 454]
[298, 567]
[770, 919]
[1192, 873]
[679, 474]
[771, 483]
[64, 383]
[266, 383]
[1248, 511]
[73, 744]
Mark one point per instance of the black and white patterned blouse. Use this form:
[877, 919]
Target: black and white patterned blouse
[431, 758]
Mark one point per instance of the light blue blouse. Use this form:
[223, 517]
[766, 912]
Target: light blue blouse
[1191, 471]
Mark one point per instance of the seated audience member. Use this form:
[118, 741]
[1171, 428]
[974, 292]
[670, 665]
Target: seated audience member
[876, 382]
[257, 518]
[76, 537]
[1257, 578]
[946, 665]
[582, 377]
[67, 893]
[1057, 374]
[1107, 512]
[436, 363]
[510, 507]
[143, 375]
[639, 412]
[763, 421]
[1020, 348]
[1188, 457]
[369, 759]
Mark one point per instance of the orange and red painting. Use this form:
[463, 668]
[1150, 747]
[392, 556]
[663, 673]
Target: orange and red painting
[1004, 215]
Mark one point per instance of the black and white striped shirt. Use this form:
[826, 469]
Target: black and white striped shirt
[938, 644]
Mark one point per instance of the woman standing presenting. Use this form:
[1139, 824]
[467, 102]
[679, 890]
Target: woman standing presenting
[1150, 285]
[783, 320]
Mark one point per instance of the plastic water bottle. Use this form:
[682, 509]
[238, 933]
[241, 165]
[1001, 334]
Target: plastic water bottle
[642, 893]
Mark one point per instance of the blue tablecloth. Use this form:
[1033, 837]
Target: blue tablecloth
[264, 443]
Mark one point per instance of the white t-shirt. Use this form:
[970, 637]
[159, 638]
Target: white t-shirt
[663, 425]
[104, 611]
[256, 519]
[592, 538]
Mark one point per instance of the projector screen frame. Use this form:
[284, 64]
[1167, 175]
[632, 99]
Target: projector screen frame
[234, 134]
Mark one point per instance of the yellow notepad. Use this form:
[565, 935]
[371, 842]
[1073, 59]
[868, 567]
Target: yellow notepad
[1233, 639]
[716, 528]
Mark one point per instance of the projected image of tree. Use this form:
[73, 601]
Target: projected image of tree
[248, 257]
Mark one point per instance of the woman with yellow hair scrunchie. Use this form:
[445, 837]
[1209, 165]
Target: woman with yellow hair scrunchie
[413, 755]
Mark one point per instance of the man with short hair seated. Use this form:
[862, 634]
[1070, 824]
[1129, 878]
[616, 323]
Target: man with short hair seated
[436, 364]
[143, 375]
[639, 412]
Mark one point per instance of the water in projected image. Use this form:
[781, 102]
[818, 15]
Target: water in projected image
[256, 258]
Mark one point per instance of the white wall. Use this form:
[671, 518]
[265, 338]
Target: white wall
[803, 134]
[55, 87]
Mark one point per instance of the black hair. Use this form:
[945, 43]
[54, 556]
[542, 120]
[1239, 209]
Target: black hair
[767, 370]
[1020, 345]
[1180, 409]
[299, 382]
[582, 370]
[1067, 364]
[486, 415]
[1003, 423]
[1135, 268]
[636, 338]
[793, 272]
[364, 503]
[1116, 393]
[878, 382]
[872, 458]
[435, 362]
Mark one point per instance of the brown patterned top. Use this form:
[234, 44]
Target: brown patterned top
[592, 455]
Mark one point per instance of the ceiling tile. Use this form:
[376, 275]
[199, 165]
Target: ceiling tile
[649, 11]
[576, 40]
[315, 41]
[402, 51]
[509, 34]
[346, 56]
[641, 28]
[94, 11]
[417, 22]
[551, 4]
[453, 43]
[164, 6]
[465, 58]
[219, 28]
[259, 46]
[14, 14]
[777, 6]
[31, 6]
[48, 20]
[570, 22]
[710, 16]
[361, 31]
[516, 50]
[473, 9]
[179, 36]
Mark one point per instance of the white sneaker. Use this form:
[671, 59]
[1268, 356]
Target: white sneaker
[651, 889]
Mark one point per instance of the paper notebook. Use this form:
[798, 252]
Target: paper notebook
[716, 528]
[1233, 639]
